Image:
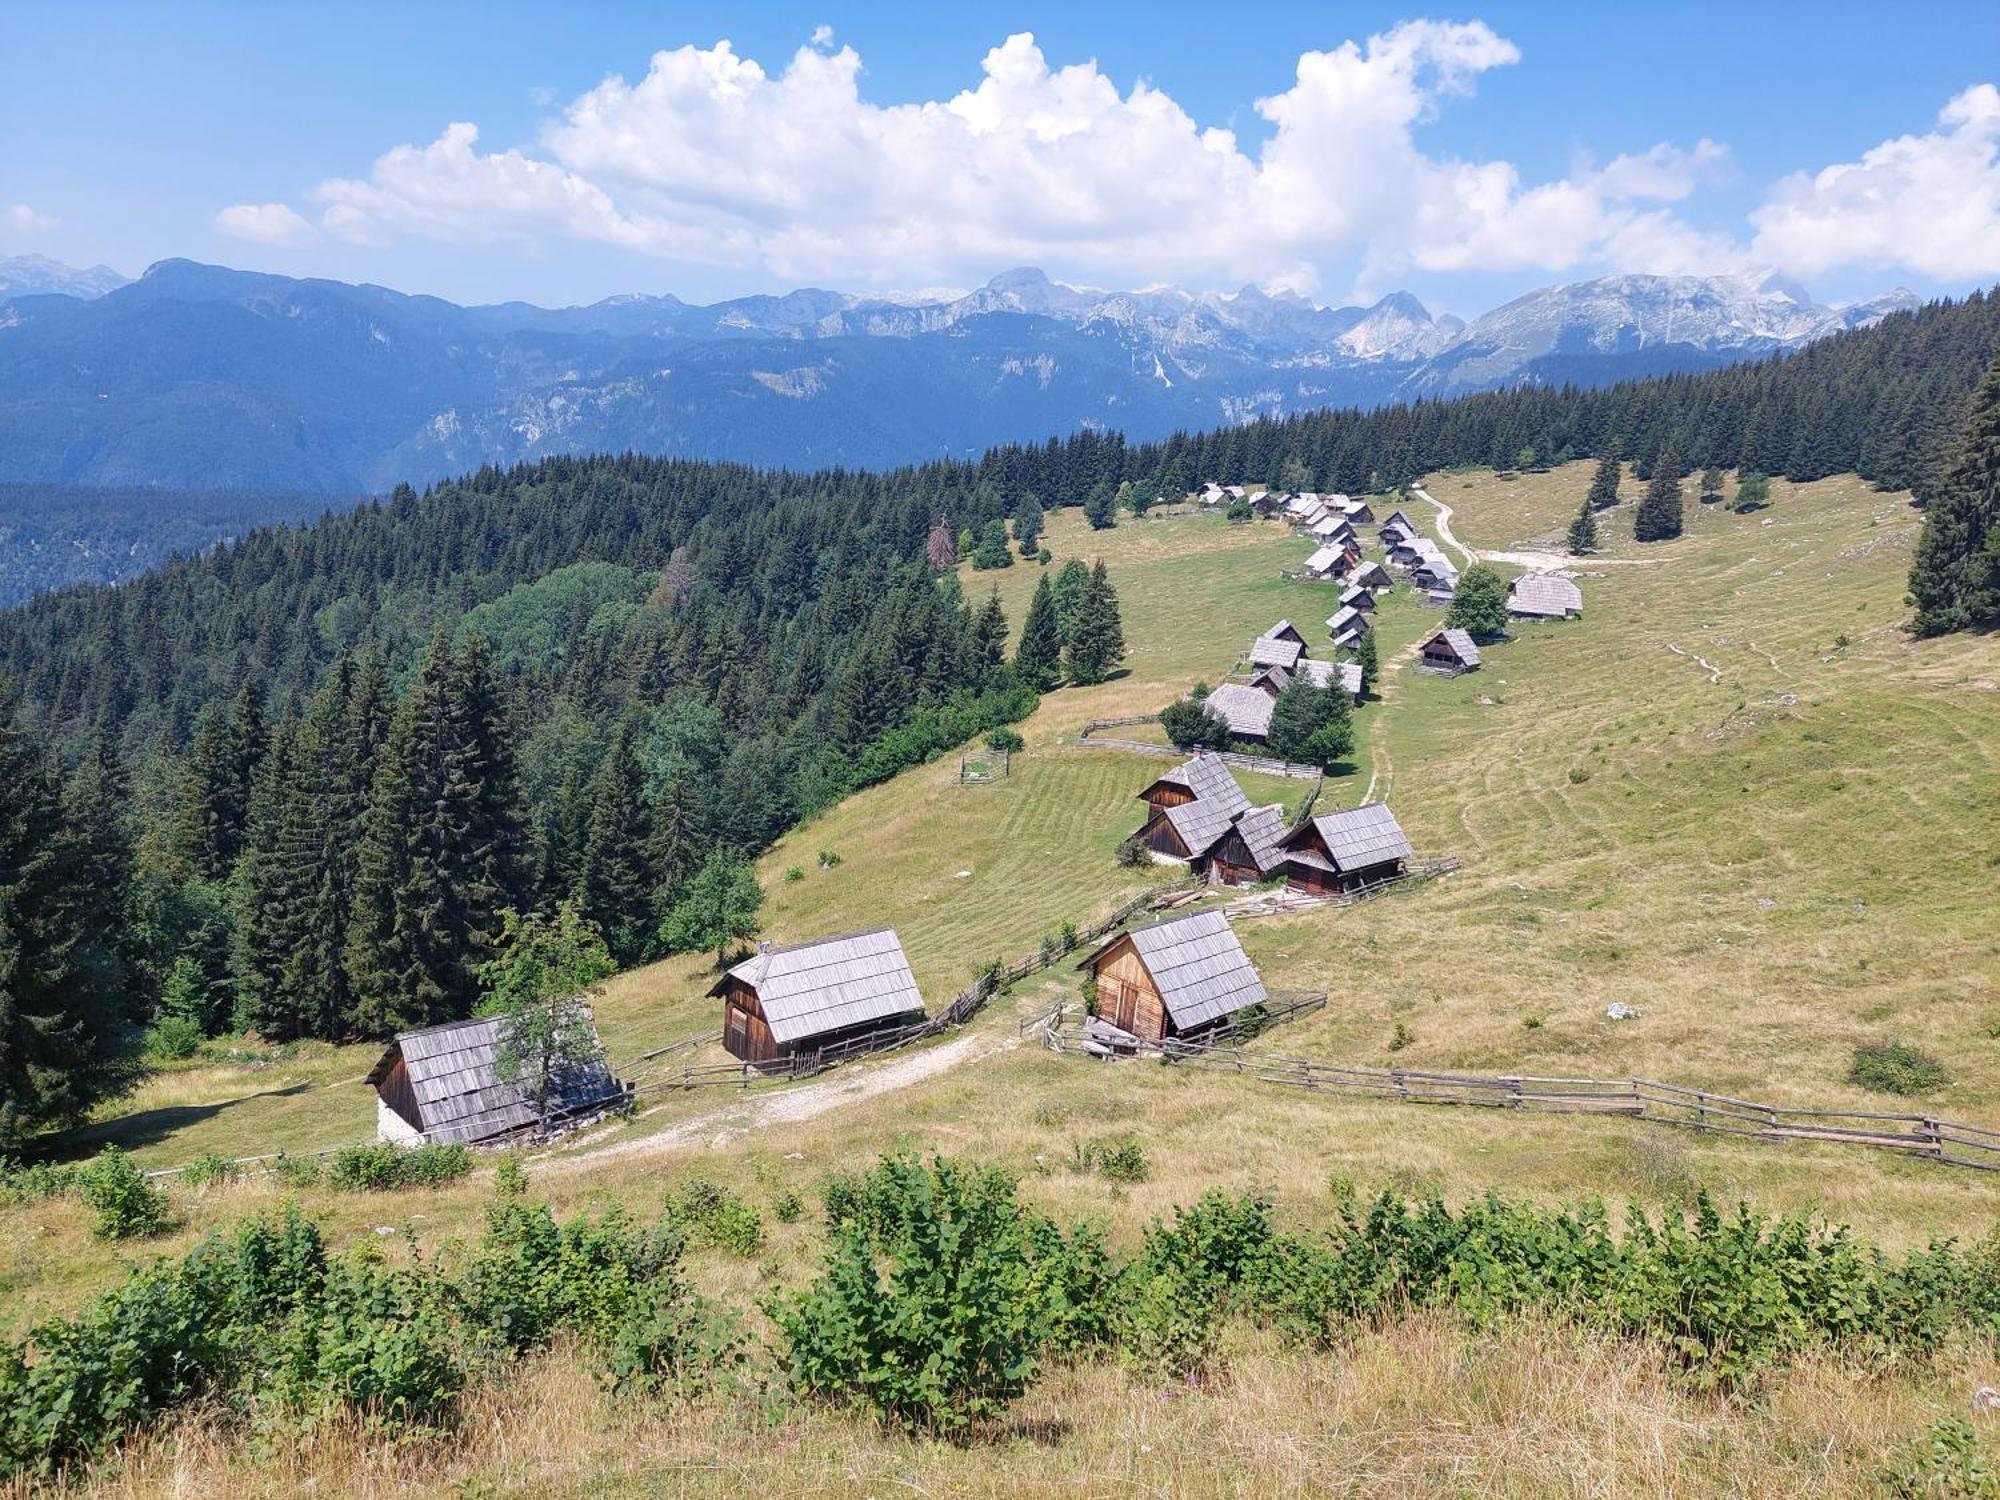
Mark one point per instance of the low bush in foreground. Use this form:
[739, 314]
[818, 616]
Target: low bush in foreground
[941, 1297]
[1898, 1068]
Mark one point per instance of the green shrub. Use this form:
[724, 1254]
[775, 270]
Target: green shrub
[38, 1183]
[173, 1039]
[794, 874]
[1897, 1068]
[715, 1218]
[1005, 740]
[675, 1343]
[210, 1166]
[296, 1171]
[787, 1207]
[828, 859]
[936, 1296]
[1122, 1159]
[1132, 853]
[127, 1205]
[1947, 1463]
[384, 1165]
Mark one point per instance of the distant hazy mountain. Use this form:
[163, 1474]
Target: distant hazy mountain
[206, 378]
[36, 275]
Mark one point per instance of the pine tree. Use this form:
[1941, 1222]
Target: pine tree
[1038, 657]
[268, 897]
[1072, 583]
[1583, 531]
[1310, 724]
[1955, 577]
[618, 890]
[215, 797]
[63, 1030]
[1028, 525]
[940, 547]
[1603, 492]
[1100, 508]
[1096, 639]
[989, 635]
[1711, 485]
[1371, 662]
[991, 550]
[1659, 515]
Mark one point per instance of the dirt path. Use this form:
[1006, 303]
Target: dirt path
[1546, 562]
[791, 1106]
[1381, 769]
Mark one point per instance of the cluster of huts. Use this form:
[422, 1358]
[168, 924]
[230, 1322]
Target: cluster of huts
[1275, 658]
[1197, 816]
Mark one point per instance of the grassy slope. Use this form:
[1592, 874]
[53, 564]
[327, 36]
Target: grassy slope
[1772, 868]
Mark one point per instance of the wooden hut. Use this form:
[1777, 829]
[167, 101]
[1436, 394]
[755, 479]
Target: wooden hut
[444, 1084]
[1285, 630]
[1189, 809]
[1346, 625]
[1358, 596]
[1358, 511]
[1174, 978]
[1245, 710]
[1450, 651]
[1277, 651]
[785, 1001]
[1329, 562]
[1544, 596]
[1370, 575]
[1346, 851]
[1398, 522]
[1251, 849]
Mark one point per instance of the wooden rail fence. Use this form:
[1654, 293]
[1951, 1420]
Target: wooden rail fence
[1089, 737]
[1648, 1099]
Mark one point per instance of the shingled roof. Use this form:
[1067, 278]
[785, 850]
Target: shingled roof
[454, 1073]
[1325, 560]
[1268, 652]
[1322, 674]
[1362, 836]
[1264, 830]
[1244, 709]
[1198, 966]
[1204, 777]
[1461, 644]
[1284, 630]
[829, 984]
[1545, 594]
[1200, 823]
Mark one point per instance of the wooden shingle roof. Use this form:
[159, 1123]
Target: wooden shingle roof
[1362, 836]
[1461, 644]
[1325, 673]
[830, 984]
[1244, 709]
[1284, 630]
[1263, 830]
[1198, 966]
[1203, 776]
[1325, 560]
[1545, 594]
[1267, 652]
[1200, 823]
[454, 1073]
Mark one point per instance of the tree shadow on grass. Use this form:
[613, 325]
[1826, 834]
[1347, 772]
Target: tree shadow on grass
[149, 1127]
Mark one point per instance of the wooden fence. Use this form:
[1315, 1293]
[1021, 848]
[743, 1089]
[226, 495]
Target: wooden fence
[1927, 1136]
[1088, 737]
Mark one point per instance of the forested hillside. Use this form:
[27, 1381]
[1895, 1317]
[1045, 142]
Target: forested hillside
[311, 772]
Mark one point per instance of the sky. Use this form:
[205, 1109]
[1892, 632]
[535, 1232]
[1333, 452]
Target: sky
[559, 154]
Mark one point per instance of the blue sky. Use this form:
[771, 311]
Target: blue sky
[1466, 158]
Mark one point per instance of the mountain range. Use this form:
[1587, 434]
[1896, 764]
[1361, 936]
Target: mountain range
[200, 376]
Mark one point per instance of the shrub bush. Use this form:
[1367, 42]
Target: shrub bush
[787, 1207]
[384, 1165]
[1122, 1159]
[1897, 1068]
[210, 1166]
[127, 1205]
[715, 1218]
[1007, 741]
[173, 1039]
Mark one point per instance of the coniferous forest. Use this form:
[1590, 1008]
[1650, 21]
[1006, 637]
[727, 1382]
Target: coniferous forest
[297, 783]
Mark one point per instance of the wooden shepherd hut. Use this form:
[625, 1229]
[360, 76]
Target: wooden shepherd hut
[786, 1001]
[443, 1084]
[1544, 596]
[1251, 849]
[1346, 851]
[1450, 651]
[1174, 978]
[1190, 808]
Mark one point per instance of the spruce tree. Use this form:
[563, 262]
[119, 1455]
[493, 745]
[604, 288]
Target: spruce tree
[1370, 660]
[1603, 492]
[63, 1030]
[1028, 525]
[1096, 641]
[215, 796]
[1071, 584]
[1311, 725]
[1659, 515]
[989, 635]
[1955, 577]
[618, 889]
[1038, 657]
[1100, 508]
[1711, 485]
[268, 897]
[1583, 531]
[1100, 581]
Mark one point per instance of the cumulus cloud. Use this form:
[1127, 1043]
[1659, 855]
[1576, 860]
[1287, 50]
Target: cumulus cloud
[1928, 202]
[710, 159]
[22, 217]
[265, 224]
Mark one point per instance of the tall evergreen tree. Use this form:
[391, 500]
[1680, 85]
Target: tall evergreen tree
[62, 1025]
[1028, 525]
[215, 798]
[1583, 531]
[1955, 577]
[1603, 492]
[989, 635]
[1038, 657]
[1100, 508]
[1658, 518]
[1072, 583]
[1370, 660]
[618, 890]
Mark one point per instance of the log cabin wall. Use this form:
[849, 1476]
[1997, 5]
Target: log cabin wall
[745, 1032]
[1126, 994]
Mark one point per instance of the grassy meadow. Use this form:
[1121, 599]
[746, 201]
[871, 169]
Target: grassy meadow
[1734, 796]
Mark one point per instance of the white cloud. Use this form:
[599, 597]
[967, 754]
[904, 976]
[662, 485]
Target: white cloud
[29, 220]
[822, 36]
[710, 159]
[1927, 202]
[265, 223]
